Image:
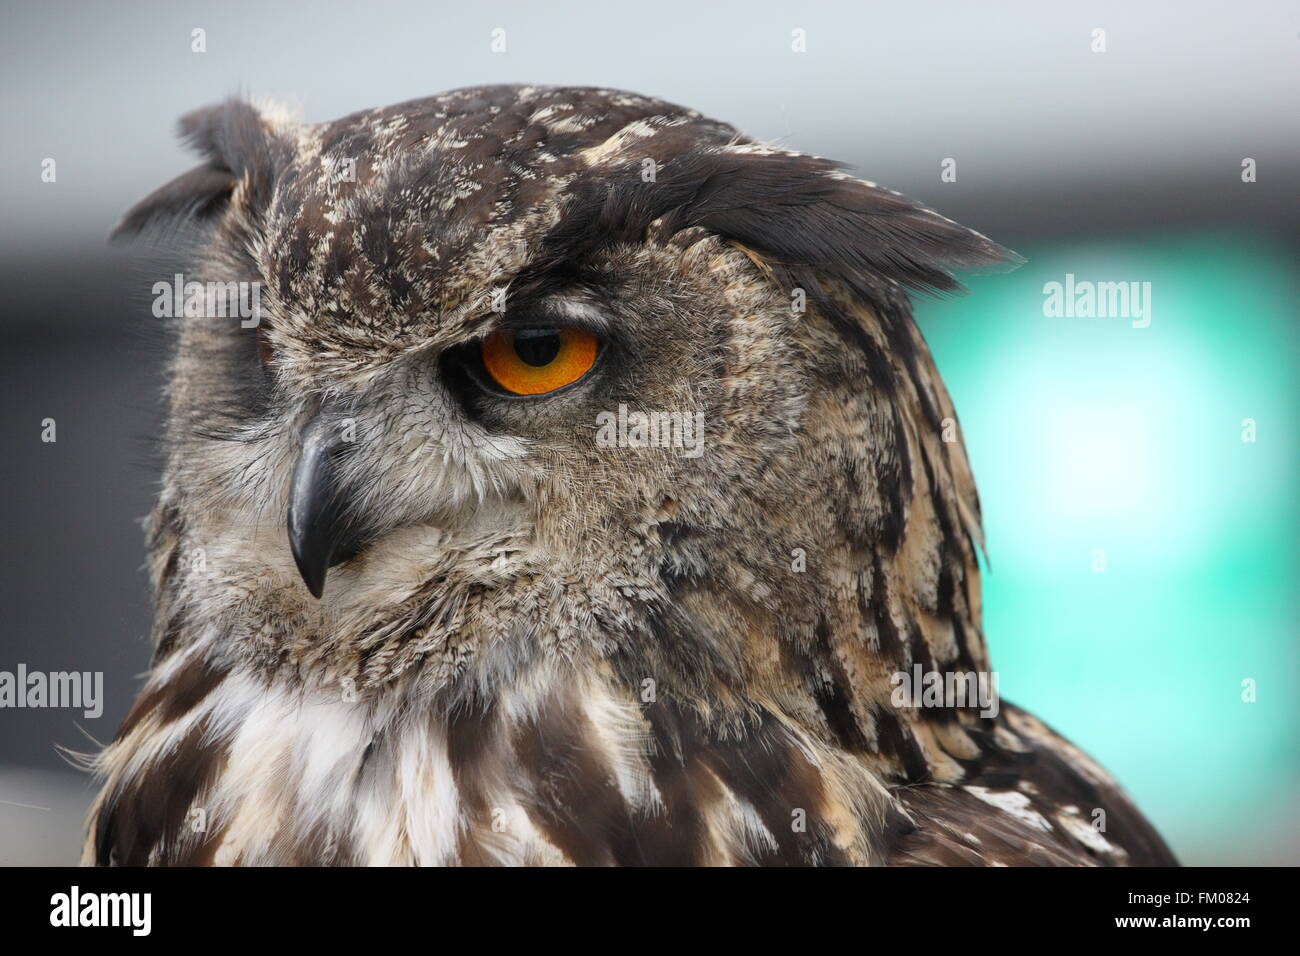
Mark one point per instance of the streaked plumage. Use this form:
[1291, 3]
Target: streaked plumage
[533, 649]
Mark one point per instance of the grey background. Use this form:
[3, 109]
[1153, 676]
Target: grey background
[1050, 139]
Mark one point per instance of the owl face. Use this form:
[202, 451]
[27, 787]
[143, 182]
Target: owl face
[540, 361]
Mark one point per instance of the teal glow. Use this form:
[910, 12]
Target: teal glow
[1088, 433]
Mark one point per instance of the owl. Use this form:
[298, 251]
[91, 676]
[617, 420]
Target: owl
[580, 491]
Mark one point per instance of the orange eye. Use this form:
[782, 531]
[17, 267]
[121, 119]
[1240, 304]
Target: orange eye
[537, 361]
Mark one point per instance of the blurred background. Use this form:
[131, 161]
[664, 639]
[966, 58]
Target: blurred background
[1091, 438]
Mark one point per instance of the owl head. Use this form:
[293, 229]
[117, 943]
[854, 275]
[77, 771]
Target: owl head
[544, 377]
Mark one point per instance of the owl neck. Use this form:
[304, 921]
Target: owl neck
[891, 668]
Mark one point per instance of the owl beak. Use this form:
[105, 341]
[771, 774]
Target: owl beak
[322, 532]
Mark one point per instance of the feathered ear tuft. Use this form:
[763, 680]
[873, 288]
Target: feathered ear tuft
[239, 149]
[801, 215]
[802, 212]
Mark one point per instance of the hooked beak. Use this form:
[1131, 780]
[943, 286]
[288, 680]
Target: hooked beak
[322, 530]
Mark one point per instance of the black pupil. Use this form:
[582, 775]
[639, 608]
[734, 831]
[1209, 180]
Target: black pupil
[537, 347]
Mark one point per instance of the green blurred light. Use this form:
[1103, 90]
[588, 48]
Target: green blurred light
[1088, 433]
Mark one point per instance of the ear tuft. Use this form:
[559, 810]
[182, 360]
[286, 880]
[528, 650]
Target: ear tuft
[804, 213]
[238, 147]
[196, 195]
[801, 215]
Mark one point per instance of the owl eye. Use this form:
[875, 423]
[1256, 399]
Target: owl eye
[537, 361]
